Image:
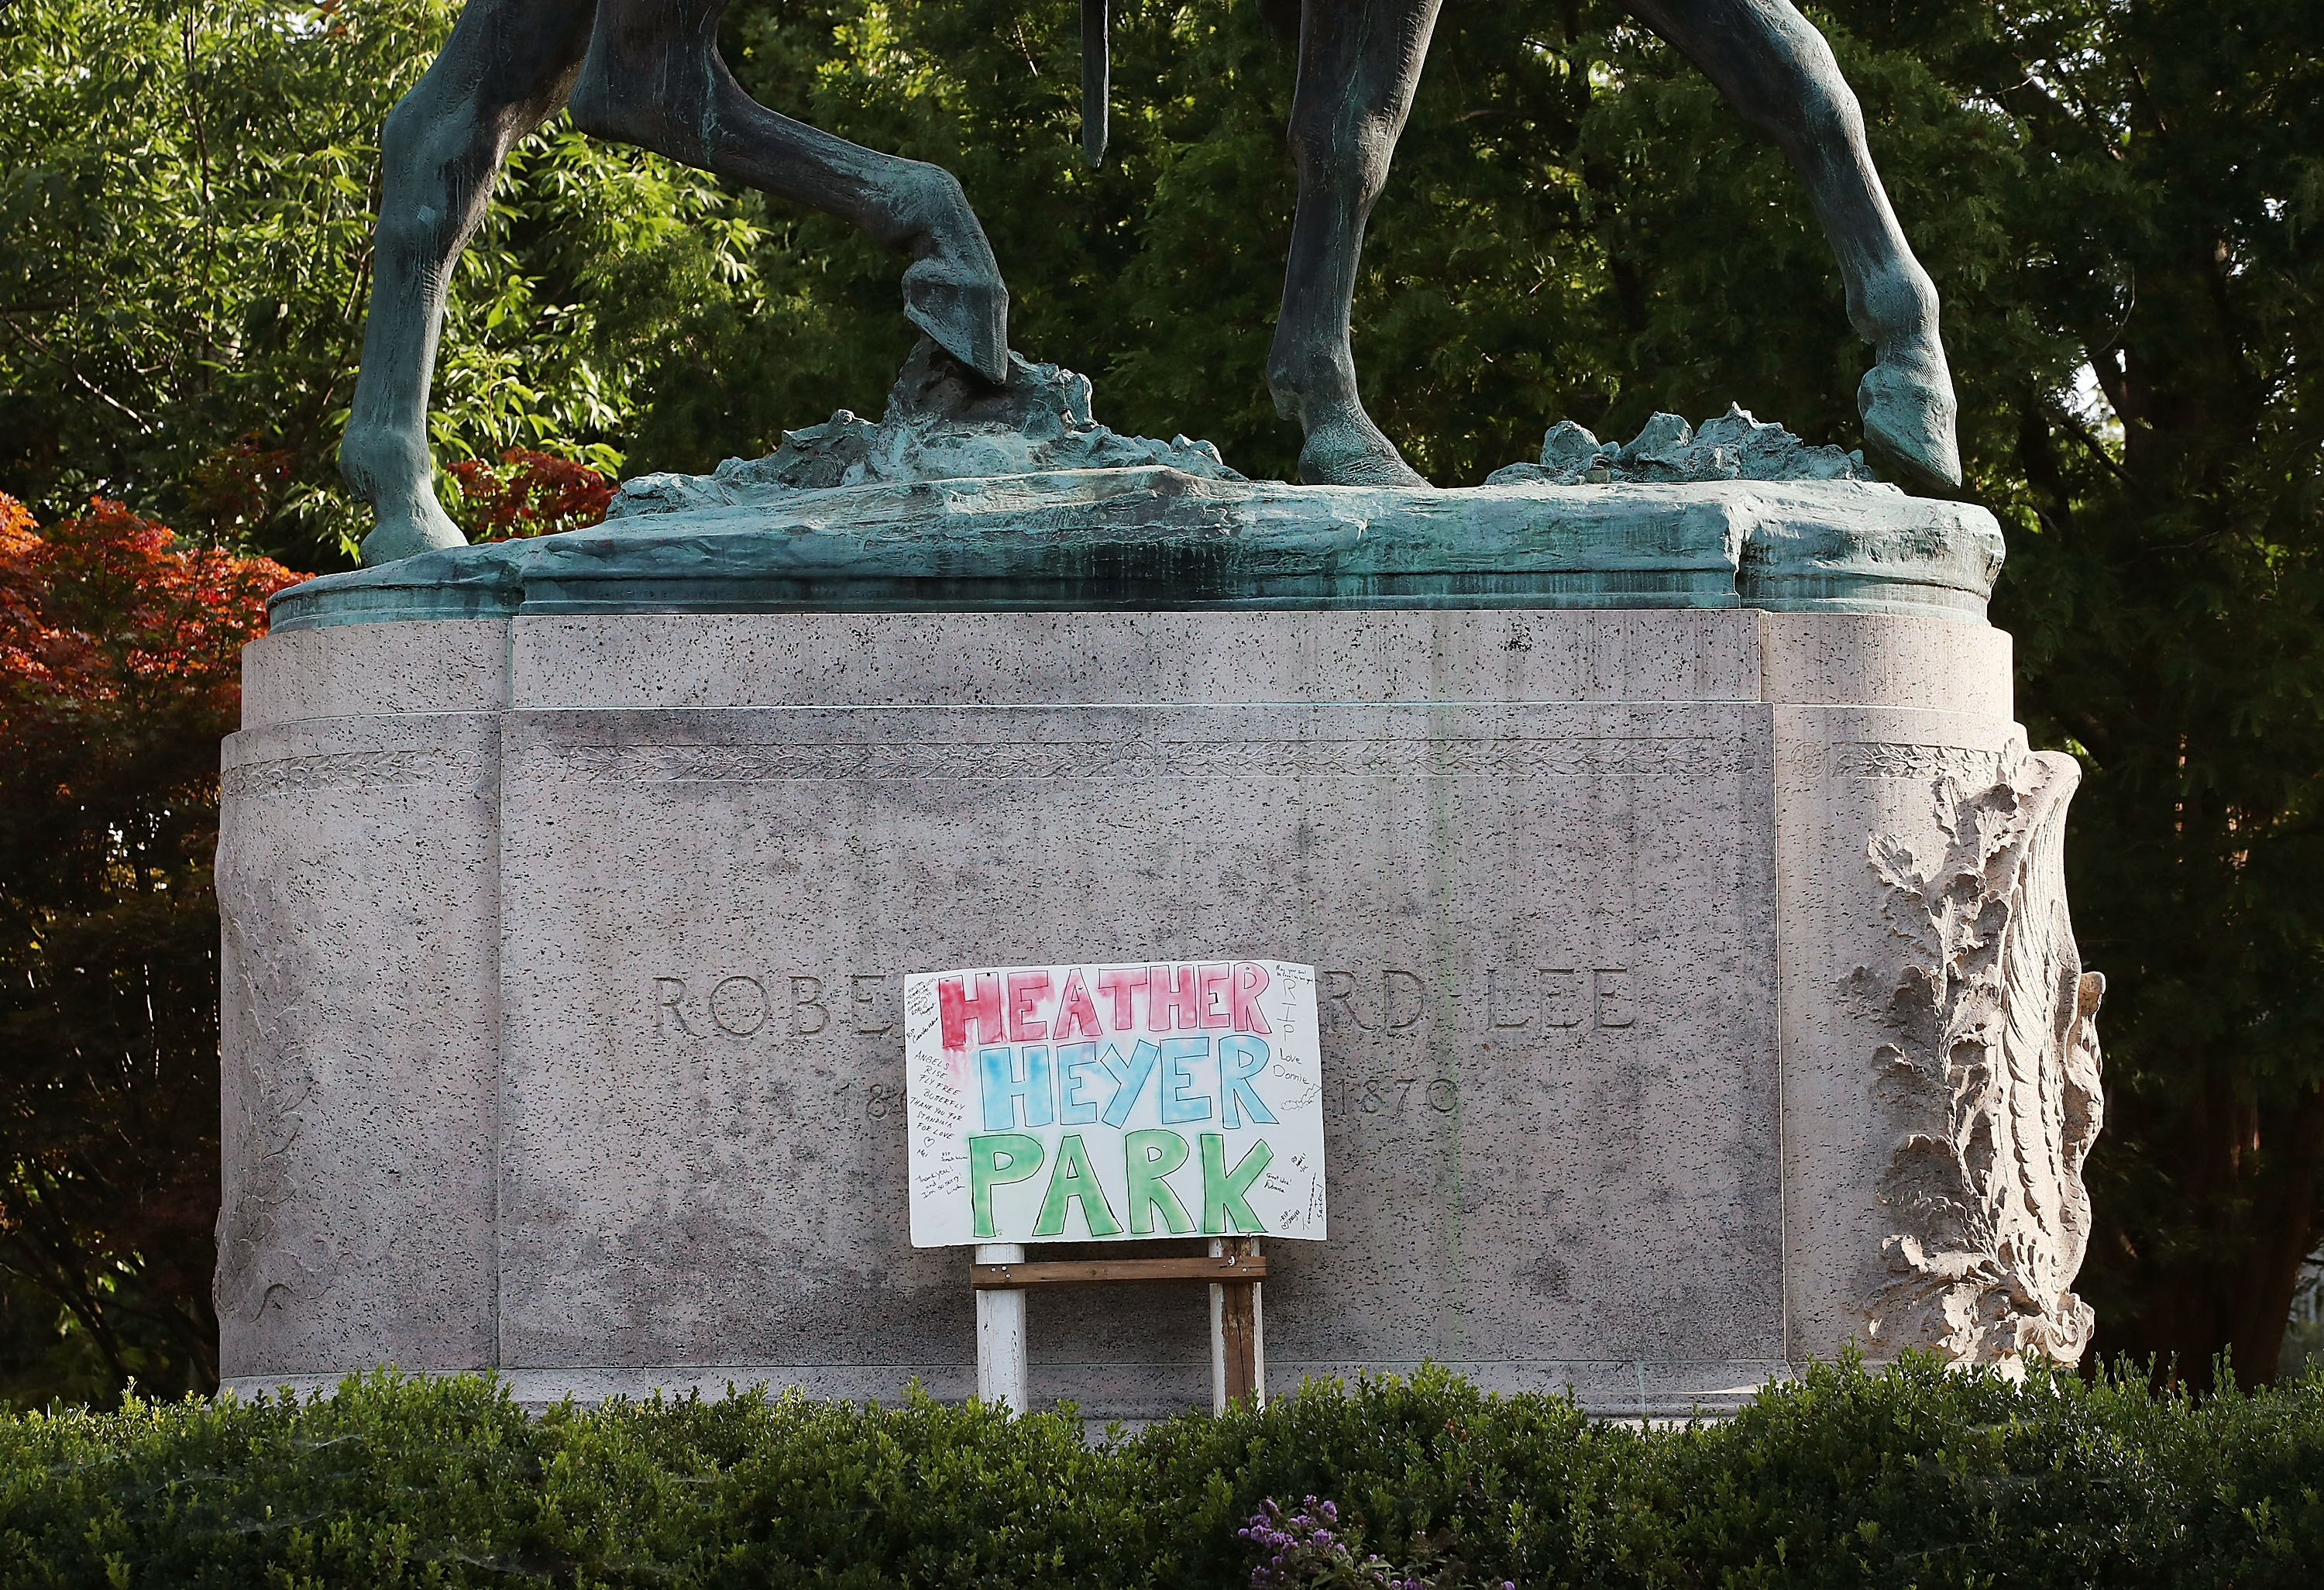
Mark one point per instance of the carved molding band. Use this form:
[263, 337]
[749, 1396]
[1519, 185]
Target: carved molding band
[1883, 759]
[1148, 759]
[340, 770]
[1990, 1076]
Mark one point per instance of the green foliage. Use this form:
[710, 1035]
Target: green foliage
[2163, 198]
[1576, 227]
[2120, 207]
[1914, 1476]
[1477, 315]
[186, 194]
[119, 671]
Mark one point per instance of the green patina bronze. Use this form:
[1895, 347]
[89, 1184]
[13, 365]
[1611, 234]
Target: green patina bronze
[972, 495]
[648, 72]
[1151, 537]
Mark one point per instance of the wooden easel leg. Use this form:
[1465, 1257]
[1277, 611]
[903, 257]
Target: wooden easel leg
[1257, 1341]
[1218, 1338]
[1238, 1360]
[1000, 1334]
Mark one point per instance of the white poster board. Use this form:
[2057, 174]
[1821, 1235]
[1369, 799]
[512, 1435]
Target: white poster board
[1113, 1103]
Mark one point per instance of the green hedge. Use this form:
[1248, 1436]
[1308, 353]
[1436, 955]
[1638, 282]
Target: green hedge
[1910, 1476]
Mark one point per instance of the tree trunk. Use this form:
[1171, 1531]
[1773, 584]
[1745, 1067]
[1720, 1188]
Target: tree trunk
[2246, 1179]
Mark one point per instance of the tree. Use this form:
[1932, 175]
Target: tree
[2167, 221]
[2126, 196]
[119, 670]
[184, 231]
[2123, 198]
[2119, 204]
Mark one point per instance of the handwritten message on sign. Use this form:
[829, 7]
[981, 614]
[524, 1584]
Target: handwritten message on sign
[1079, 1103]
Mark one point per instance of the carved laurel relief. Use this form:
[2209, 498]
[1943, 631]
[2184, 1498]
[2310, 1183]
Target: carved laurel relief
[339, 770]
[1990, 1075]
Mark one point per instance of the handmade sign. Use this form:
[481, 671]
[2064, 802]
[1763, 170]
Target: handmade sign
[1067, 1103]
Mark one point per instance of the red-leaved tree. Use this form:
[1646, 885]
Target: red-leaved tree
[530, 494]
[119, 671]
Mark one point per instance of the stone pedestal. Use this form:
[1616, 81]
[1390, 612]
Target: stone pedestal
[560, 956]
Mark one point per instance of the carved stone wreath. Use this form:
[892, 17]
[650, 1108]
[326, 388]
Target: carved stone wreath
[1990, 1075]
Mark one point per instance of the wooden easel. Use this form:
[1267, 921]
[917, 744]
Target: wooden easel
[1234, 1268]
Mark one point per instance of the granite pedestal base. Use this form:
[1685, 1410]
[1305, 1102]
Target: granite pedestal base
[561, 955]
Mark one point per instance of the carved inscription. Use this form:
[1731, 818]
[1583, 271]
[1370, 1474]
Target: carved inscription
[877, 1100]
[1504, 1000]
[781, 1004]
[1564, 998]
[1392, 1095]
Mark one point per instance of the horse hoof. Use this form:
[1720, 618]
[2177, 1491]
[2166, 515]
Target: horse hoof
[965, 309]
[426, 529]
[1353, 452]
[1908, 424]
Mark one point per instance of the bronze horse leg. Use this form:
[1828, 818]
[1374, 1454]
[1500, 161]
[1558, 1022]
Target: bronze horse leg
[646, 72]
[653, 78]
[1359, 62]
[505, 70]
[1776, 68]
